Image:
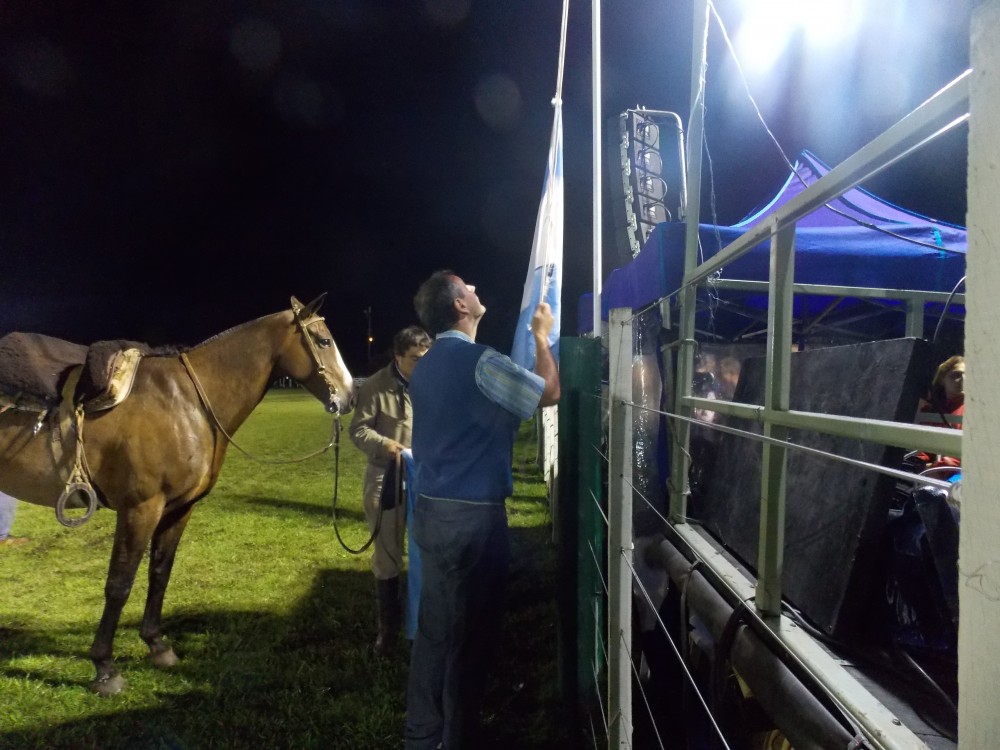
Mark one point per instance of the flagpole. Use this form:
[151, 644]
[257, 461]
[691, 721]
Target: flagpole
[544, 278]
[597, 224]
[556, 121]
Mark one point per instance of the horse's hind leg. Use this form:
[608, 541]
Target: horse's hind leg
[161, 562]
[133, 528]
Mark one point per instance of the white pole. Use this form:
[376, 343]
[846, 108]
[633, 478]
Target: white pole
[687, 302]
[596, 82]
[978, 566]
[620, 547]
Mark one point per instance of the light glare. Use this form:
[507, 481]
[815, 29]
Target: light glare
[769, 27]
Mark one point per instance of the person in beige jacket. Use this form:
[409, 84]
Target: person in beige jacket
[380, 428]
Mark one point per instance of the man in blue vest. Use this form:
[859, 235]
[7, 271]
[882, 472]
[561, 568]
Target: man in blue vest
[468, 402]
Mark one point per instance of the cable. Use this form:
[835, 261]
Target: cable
[937, 328]
[739, 68]
[895, 473]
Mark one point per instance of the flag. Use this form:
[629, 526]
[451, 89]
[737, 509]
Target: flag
[544, 280]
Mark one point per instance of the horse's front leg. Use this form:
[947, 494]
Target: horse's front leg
[133, 529]
[161, 562]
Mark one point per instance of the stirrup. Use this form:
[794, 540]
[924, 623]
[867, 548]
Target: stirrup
[72, 488]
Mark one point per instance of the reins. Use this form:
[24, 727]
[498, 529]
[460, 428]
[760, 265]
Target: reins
[334, 440]
[381, 508]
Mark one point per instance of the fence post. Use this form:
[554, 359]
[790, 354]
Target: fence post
[680, 429]
[978, 639]
[774, 467]
[580, 533]
[620, 550]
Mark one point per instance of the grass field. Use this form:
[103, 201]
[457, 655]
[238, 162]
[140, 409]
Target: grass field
[272, 618]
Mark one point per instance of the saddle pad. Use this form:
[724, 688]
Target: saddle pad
[36, 364]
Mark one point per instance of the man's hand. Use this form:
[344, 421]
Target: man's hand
[545, 365]
[394, 448]
[542, 321]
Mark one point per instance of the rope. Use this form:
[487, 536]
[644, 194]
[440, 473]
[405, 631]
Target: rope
[944, 311]
[555, 147]
[562, 51]
[397, 489]
[70, 420]
[680, 659]
[894, 473]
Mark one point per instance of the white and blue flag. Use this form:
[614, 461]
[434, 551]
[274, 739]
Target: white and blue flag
[544, 281]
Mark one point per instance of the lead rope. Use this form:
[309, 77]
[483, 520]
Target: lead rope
[381, 508]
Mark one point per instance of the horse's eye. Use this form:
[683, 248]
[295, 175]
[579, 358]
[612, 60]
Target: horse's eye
[325, 343]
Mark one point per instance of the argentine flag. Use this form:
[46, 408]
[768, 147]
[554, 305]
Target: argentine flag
[544, 281]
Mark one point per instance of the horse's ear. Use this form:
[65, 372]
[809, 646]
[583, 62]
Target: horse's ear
[311, 309]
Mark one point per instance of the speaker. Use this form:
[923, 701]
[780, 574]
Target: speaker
[835, 513]
[646, 174]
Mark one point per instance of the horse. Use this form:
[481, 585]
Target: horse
[152, 457]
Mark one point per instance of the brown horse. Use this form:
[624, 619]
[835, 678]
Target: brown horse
[152, 457]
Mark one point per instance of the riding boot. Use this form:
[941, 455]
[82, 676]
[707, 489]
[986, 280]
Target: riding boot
[389, 615]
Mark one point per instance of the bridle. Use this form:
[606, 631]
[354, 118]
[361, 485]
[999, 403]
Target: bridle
[321, 371]
[314, 352]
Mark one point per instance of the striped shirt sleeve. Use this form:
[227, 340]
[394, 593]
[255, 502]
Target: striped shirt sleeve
[511, 386]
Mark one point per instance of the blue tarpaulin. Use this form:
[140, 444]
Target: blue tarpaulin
[891, 248]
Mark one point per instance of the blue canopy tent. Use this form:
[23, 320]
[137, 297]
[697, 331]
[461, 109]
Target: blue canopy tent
[856, 240]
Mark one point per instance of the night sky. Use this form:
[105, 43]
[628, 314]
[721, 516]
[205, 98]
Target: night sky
[168, 170]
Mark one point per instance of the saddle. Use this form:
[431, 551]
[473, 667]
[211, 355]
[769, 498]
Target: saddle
[35, 370]
[54, 377]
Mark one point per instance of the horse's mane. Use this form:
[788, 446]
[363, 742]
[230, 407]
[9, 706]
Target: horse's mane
[234, 329]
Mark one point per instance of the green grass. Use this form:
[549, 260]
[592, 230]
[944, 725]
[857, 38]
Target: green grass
[272, 618]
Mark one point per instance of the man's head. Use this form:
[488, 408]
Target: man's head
[444, 301]
[408, 346]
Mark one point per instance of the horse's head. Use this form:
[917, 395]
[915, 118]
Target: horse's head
[314, 360]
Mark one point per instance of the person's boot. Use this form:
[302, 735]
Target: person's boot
[389, 615]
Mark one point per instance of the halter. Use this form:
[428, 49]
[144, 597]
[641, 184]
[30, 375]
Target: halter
[320, 369]
[314, 351]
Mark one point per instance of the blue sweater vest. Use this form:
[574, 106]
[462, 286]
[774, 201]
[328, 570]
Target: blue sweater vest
[463, 443]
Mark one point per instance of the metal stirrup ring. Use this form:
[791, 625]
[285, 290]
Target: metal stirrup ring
[72, 488]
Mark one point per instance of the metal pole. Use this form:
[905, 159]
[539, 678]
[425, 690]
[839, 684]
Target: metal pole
[620, 548]
[679, 462]
[978, 639]
[915, 319]
[595, 44]
[774, 473]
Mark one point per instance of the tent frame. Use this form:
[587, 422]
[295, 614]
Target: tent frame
[879, 726]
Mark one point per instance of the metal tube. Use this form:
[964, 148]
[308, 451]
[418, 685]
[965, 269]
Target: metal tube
[595, 44]
[620, 547]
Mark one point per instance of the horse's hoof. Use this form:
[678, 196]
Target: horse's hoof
[163, 659]
[108, 685]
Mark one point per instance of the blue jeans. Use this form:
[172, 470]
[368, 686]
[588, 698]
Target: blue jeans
[8, 507]
[465, 554]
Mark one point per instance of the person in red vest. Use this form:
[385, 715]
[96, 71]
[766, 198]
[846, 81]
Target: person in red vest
[944, 407]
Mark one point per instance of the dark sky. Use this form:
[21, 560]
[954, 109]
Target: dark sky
[168, 170]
